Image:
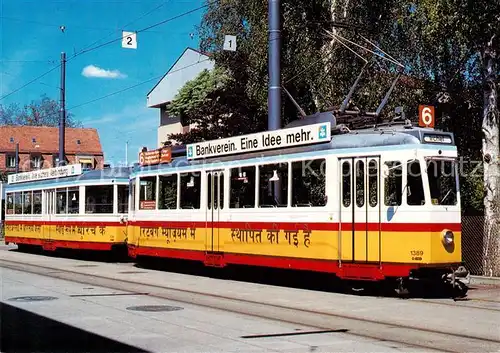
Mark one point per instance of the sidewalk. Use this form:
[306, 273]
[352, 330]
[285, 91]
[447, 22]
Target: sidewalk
[483, 280]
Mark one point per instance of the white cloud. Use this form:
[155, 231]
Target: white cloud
[94, 71]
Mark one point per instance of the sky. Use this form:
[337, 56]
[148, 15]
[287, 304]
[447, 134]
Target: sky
[31, 42]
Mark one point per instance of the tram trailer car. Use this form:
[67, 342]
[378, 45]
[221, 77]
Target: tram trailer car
[76, 209]
[367, 205]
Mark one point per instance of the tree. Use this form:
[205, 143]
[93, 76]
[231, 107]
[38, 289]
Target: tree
[42, 112]
[215, 106]
[448, 49]
[303, 24]
[459, 43]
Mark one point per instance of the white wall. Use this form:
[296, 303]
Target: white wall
[187, 67]
[174, 127]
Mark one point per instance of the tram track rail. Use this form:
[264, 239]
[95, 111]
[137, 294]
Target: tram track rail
[409, 336]
[469, 303]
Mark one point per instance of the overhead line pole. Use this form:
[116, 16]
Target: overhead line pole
[274, 95]
[62, 117]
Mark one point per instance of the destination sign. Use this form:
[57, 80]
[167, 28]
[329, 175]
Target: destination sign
[162, 155]
[437, 139]
[42, 174]
[297, 136]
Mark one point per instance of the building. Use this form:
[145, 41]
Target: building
[189, 65]
[39, 147]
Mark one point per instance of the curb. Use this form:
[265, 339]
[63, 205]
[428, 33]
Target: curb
[484, 280]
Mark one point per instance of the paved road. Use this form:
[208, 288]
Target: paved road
[407, 323]
[91, 318]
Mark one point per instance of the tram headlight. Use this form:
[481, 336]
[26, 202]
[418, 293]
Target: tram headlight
[448, 237]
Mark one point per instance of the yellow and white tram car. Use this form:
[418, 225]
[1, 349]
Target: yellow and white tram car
[372, 204]
[67, 207]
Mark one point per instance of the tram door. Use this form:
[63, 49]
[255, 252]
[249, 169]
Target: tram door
[360, 209]
[50, 211]
[215, 203]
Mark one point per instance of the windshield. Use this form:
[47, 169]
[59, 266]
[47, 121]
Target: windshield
[442, 181]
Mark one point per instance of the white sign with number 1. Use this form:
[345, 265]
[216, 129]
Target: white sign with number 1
[129, 40]
[230, 43]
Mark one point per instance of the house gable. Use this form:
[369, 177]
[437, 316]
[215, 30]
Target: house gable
[186, 68]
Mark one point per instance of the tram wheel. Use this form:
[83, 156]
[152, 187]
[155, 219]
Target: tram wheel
[459, 290]
[401, 288]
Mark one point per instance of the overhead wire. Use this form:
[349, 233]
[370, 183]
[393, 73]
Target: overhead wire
[143, 29]
[128, 88]
[30, 82]
[136, 85]
[107, 43]
[128, 24]
[54, 24]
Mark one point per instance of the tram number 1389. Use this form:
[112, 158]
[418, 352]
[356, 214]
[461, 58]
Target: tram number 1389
[416, 255]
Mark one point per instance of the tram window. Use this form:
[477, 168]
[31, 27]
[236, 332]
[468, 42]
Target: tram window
[61, 200]
[393, 184]
[167, 198]
[209, 191]
[99, 199]
[415, 190]
[218, 180]
[18, 203]
[147, 193]
[346, 184]
[242, 188]
[27, 197]
[221, 191]
[360, 183]
[442, 182]
[10, 203]
[74, 200]
[308, 183]
[37, 202]
[132, 195]
[373, 183]
[273, 185]
[122, 198]
[190, 190]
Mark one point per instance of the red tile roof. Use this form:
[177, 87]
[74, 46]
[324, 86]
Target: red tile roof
[47, 139]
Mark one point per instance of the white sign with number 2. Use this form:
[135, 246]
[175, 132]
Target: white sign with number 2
[129, 40]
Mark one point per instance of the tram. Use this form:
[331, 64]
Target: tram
[68, 208]
[374, 204]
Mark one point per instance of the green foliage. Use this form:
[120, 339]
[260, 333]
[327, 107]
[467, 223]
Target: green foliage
[215, 106]
[42, 112]
[440, 43]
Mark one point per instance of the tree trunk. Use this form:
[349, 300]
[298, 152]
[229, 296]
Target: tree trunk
[327, 55]
[491, 159]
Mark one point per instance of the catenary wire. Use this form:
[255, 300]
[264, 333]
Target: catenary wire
[136, 85]
[30, 82]
[128, 24]
[107, 43]
[143, 29]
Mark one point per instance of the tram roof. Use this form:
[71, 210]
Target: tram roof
[398, 136]
[108, 174]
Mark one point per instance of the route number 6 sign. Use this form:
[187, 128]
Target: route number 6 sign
[426, 116]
